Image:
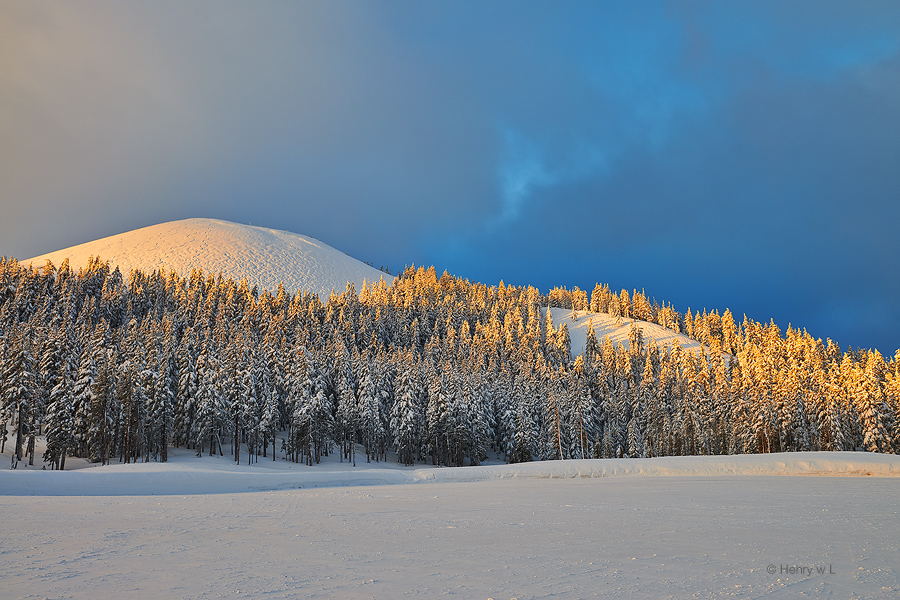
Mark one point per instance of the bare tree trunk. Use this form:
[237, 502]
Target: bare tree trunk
[558, 433]
[20, 430]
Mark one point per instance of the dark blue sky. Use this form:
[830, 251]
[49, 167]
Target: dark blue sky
[740, 155]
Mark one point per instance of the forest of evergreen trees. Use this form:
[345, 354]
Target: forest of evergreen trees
[437, 369]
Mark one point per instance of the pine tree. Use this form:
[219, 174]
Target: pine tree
[102, 412]
[554, 417]
[61, 416]
[478, 417]
[347, 419]
[132, 403]
[161, 412]
[18, 391]
[636, 433]
[268, 424]
[406, 415]
[186, 392]
[869, 400]
[83, 391]
[210, 417]
[652, 418]
[563, 345]
[369, 410]
[584, 413]
[525, 439]
[436, 418]
[591, 346]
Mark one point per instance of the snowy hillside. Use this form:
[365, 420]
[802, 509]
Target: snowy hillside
[264, 256]
[617, 329]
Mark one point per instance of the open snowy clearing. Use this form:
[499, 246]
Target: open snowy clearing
[617, 329]
[680, 527]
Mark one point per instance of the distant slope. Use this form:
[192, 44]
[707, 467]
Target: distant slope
[617, 330]
[264, 256]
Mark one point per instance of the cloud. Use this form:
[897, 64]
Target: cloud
[526, 169]
[522, 169]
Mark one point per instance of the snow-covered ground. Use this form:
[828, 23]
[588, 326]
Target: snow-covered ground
[617, 329]
[187, 474]
[678, 527]
[264, 256]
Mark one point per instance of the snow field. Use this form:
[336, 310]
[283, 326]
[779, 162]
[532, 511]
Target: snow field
[617, 537]
[185, 473]
[671, 527]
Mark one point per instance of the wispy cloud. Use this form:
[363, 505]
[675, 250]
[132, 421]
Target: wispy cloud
[527, 167]
[522, 170]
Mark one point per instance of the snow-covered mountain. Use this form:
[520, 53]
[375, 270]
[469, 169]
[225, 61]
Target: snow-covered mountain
[266, 257]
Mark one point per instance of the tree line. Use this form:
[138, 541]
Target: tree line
[436, 369]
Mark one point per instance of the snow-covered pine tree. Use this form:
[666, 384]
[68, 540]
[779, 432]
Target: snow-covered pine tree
[83, 391]
[368, 409]
[268, 423]
[584, 414]
[563, 345]
[525, 437]
[347, 418]
[554, 417]
[479, 418]
[321, 410]
[648, 401]
[18, 390]
[186, 392]
[892, 396]
[61, 415]
[210, 418]
[161, 412]
[406, 414]
[436, 417]
[868, 398]
[636, 432]
[103, 410]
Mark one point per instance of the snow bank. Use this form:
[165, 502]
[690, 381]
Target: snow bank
[186, 476]
[266, 257]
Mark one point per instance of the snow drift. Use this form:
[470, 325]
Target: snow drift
[186, 474]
